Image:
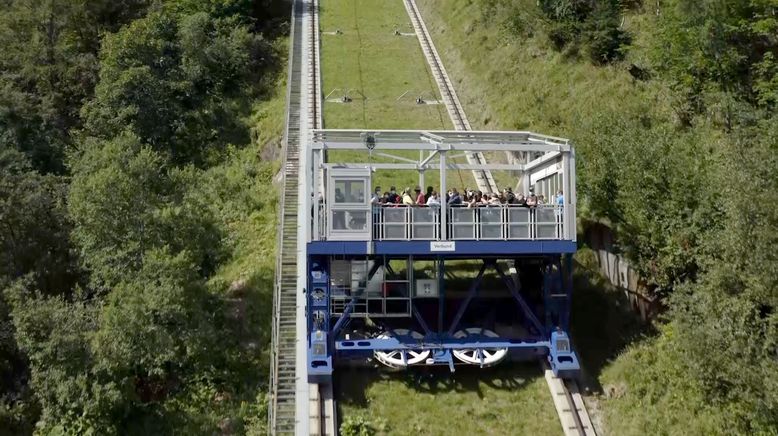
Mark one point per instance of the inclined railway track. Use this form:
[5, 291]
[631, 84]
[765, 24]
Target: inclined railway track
[567, 400]
[569, 406]
[456, 112]
[303, 112]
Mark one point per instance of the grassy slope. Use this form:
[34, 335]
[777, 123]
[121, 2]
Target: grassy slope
[505, 84]
[501, 400]
[497, 401]
[368, 57]
[244, 195]
[370, 60]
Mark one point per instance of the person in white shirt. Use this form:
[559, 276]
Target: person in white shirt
[433, 200]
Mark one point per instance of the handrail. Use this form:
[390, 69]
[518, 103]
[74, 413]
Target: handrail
[275, 320]
[400, 222]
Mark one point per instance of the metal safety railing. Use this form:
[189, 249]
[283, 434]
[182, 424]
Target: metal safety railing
[401, 222]
[506, 222]
[405, 223]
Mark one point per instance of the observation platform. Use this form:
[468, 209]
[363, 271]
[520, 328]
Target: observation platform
[401, 265]
[345, 215]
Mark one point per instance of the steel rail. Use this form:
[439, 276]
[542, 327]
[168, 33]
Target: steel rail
[483, 178]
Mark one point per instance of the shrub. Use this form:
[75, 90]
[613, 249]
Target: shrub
[357, 426]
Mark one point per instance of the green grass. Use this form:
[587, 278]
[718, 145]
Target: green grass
[377, 64]
[245, 199]
[509, 399]
[378, 67]
[510, 83]
[507, 77]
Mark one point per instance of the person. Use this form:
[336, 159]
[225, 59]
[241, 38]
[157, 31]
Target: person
[407, 199]
[560, 202]
[509, 197]
[484, 199]
[475, 200]
[532, 200]
[375, 198]
[521, 201]
[541, 200]
[421, 200]
[393, 197]
[339, 197]
[430, 190]
[454, 199]
[433, 201]
[495, 200]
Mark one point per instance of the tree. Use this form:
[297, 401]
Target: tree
[718, 46]
[728, 319]
[34, 229]
[156, 329]
[54, 334]
[592, 23]
[125, 201]
[173, 81]
[48, 66]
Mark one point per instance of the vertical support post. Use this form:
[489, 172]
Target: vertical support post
[443, 199]
[441, 293]
[421, 172]
[526, 181]
[306, 201]
[566, 212]
[568, 284]
[572, 197]
[315, 192]
[547, 296]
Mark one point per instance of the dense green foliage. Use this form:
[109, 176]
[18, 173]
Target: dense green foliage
[48, 67]
[676, 139]
[134, 214]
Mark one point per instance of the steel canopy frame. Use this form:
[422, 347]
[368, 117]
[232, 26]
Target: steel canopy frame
[558, 155]
[327, 139]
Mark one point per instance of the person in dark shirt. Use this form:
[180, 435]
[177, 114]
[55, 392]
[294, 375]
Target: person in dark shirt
[454, 199]
[428, 194]
[393, 197]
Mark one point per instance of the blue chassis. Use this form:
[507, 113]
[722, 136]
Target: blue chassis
[549, 340]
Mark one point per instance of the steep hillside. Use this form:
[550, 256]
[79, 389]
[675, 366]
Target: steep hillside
[672, 109]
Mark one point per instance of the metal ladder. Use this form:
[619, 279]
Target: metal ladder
[282, 373]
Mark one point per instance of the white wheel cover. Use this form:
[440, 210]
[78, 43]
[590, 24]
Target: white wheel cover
[401, 358]
[491, 356]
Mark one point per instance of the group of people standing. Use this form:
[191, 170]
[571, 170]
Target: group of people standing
[468, 198]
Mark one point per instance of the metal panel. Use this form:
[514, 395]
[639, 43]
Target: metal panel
[491, 219]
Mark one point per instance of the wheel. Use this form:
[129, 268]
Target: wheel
[483, 356]
[401, 358]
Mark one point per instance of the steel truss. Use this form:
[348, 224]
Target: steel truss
[545, 331]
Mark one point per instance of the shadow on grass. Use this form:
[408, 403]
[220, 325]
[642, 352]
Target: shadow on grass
[352, 384]
[603, 323]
